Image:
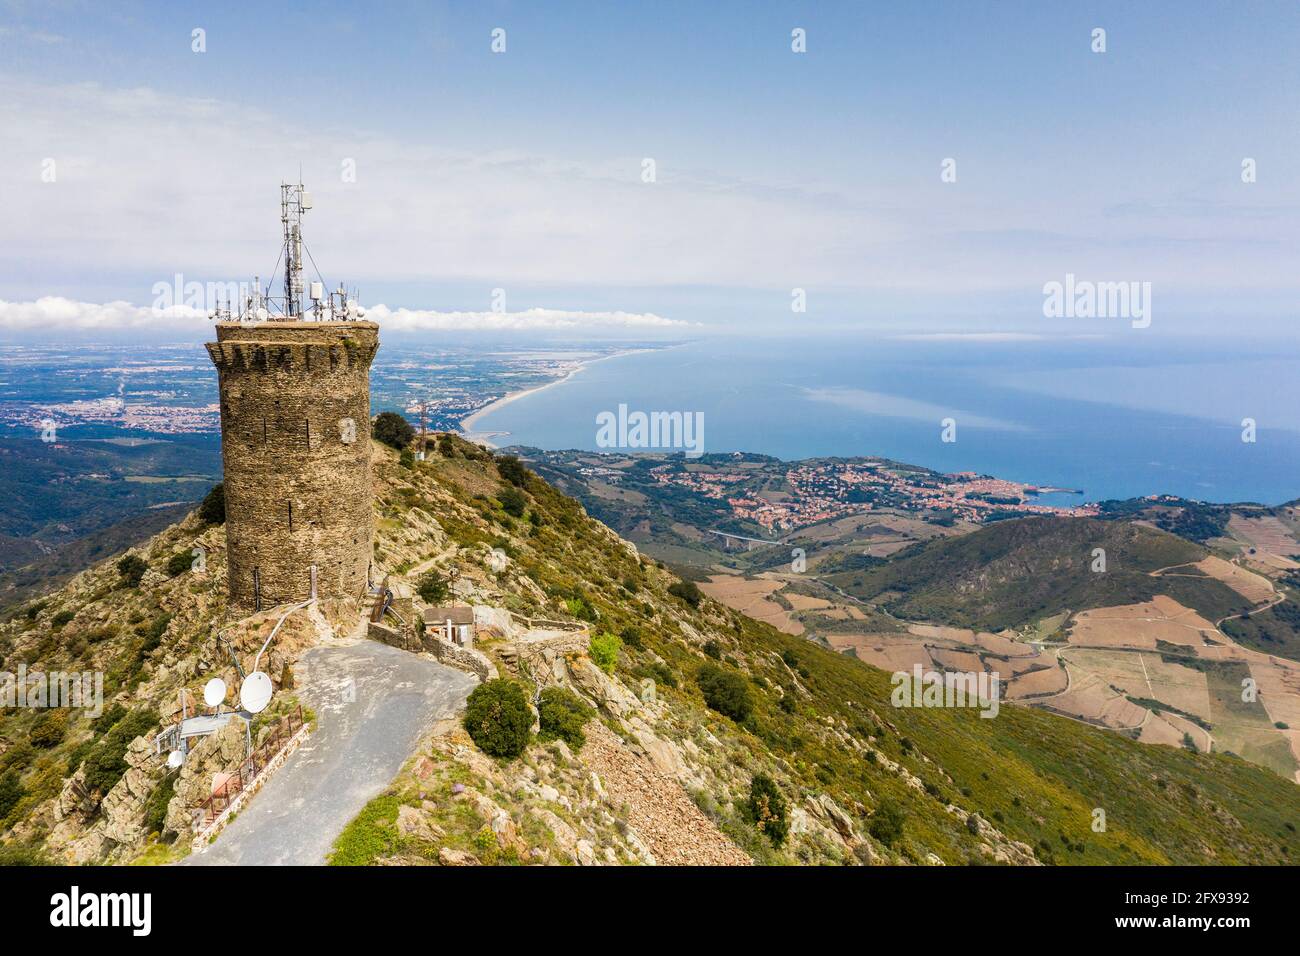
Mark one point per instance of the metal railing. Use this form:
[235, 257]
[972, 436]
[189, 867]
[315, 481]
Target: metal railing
[243, 775]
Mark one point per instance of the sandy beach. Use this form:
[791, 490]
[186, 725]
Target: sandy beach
[469, 422]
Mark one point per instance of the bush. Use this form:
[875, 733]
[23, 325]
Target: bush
[498, 718]
[688, 591]
[604, 650]
[213, 507]
[562, 715]
[179, 563]
[393, 430]
[513, 502]
[512, 470]
[49, 729]
[12, 854]
[155, 808]
[725, 691]
[132, 569]
[106, 763]
[11, 791]
[766, 809]
[713, 649]
[432, 587]
[105, 721]
[153, 632]
[887, 823]
[406, 459]
[61, 618]
[631, 636]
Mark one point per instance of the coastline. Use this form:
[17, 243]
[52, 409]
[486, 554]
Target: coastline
[468, 423]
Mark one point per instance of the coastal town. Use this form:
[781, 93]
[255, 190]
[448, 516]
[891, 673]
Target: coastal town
[784, 496]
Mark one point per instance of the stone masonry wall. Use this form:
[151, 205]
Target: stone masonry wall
[295, 444]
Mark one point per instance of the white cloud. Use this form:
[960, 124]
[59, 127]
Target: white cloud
[527, 320]
[54, 313]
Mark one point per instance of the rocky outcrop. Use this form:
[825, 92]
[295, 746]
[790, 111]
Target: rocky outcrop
[219, 753]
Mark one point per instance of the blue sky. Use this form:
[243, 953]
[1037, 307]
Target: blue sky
[775, 170]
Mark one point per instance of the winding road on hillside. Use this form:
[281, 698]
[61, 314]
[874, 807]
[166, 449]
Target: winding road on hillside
[373, 703]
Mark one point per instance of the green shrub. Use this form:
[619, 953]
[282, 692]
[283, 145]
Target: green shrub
[498, 718]
[11, 791]
[406, 459]
[887, 823]
[155, 808]
[153, 632]
[49, 729]
[725, 691]
[562, 715]
[12, 854]
[179, 563]
[132, 568]
[766, 809]
[432, 587]
[513, 502]
[631, 636]
[512, 470]
[105, 721]
[688, 591]
[713, 649]
[393, 430]
[658, 672]
[61, 618]
[106, 762]
[212, 508]
[604, 650]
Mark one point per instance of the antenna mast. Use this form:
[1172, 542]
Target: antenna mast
[294, 201]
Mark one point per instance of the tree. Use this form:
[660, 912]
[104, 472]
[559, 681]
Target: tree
[212, 508]
[498, 718]
[766, 809]
[725, 691]
[132, 568]
[393, 430]
[432, 587]
[513, 502]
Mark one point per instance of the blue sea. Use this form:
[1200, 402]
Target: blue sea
[1112, 417]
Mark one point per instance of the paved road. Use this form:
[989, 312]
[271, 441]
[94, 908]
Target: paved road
[373, 703]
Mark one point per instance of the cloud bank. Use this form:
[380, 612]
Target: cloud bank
[57, 314]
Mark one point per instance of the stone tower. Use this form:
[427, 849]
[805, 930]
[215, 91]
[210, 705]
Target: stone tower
[295, 443]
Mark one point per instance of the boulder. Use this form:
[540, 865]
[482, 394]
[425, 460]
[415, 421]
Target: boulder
[449, 857]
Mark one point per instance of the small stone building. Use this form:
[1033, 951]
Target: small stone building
[454, 623]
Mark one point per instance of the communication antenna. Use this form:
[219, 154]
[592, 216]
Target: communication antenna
[255, 692]
[294, 201]
[214, 692]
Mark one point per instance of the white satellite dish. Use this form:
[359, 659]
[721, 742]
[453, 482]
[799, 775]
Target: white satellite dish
[214, 692]
[255, 692]
[175, 759]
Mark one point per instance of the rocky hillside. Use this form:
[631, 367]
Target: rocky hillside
[711, 734]
[1016, 571]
